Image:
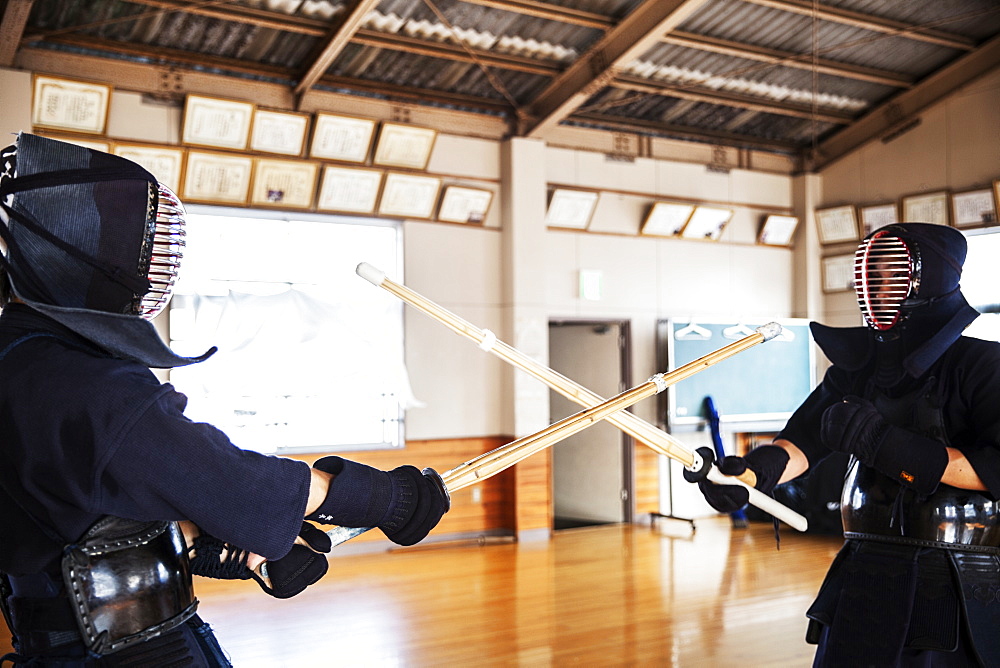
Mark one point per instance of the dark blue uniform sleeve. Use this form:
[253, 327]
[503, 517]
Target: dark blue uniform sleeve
[168, 467]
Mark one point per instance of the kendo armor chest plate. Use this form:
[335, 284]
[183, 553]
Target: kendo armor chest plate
[876, 507]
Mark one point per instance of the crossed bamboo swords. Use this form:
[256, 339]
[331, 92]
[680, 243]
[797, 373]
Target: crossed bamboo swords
[493, 462]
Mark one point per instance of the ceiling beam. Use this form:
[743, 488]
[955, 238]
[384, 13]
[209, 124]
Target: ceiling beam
[335, 43]
[904, 107]
[657, 128]
[802, 61]
[869, 22]
[15, 18]
[718, 97]
[164, 80]
[237, 14]
[544, 10]
[592, 71]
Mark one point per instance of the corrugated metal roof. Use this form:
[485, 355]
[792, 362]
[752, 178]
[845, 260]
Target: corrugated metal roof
[733, 71]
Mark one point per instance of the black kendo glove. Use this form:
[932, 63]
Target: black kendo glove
[767, 463]
[288, 576]
[855, 426]
[404, 503]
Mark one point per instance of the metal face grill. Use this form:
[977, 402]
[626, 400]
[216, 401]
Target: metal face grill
[168, 249]
[883, 278]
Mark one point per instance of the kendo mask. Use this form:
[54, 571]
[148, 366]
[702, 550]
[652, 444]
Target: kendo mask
[94, 242]
[902, 268]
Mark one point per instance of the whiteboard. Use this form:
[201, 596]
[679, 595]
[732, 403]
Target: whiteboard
[764, 383]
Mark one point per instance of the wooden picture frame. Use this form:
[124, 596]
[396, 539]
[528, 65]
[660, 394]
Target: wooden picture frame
[974, 208]
[777, 230]
[926, 208]
[349, 189]
[217, 178]
[707, 223]
[570, 208]
[404, 146]
[343, 138]
[286, 184]
[164, 162]
[217, 123]
[837, 224]
[409, 195]
[666, 219]
[68, 104]
[280, 132]
[838, 273]
[875, 216]
[461, 204]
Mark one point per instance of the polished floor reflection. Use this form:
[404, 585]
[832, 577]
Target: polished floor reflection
[604, 596]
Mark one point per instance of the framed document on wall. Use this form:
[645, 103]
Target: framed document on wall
[404, 146]
[706, 223]
[926, 208]
[837, 224]
[838, 273]
[283, 183]
[217, 178]
[571, 208]
[65, 104]
[281, 132]
[464, 205]
[666, 219]
[409, 196]
[343, 138]
[973, 208]
[163, 162]
[349, 189]
[777, 230]
[212, 121]
[878, 215]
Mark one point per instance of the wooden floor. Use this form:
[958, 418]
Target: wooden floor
[606, 596]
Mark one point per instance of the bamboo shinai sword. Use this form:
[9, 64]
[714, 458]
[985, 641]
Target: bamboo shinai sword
[642, 431]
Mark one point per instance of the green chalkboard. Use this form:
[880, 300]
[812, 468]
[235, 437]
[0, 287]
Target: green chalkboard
[766, 382]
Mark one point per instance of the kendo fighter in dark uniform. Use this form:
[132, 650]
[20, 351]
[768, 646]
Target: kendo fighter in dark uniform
[110, 498]
[917, 406]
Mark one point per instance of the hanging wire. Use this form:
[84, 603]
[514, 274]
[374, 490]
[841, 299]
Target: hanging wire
[490, 76]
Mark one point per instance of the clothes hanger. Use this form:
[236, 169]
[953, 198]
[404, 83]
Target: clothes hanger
[737, 331]
[692, 332]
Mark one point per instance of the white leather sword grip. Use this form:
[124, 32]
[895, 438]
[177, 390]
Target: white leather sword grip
[761, 500]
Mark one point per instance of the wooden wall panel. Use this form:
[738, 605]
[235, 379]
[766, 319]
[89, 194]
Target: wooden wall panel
[647, 480]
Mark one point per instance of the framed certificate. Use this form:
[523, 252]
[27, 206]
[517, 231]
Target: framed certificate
[706, 223]
[409, 196]
[777, 230]
[349, 189]
[404, 146]
[666, 219]
[211, 121]
[972, 208]
[837, 224]
[283, 183]
[571, 208]
[342, 138]
[838, 273]
[926, 208]
[217, 178]
[878, 215]
[281, 132]
[464, 205]
[163, 162]
[65, 104]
